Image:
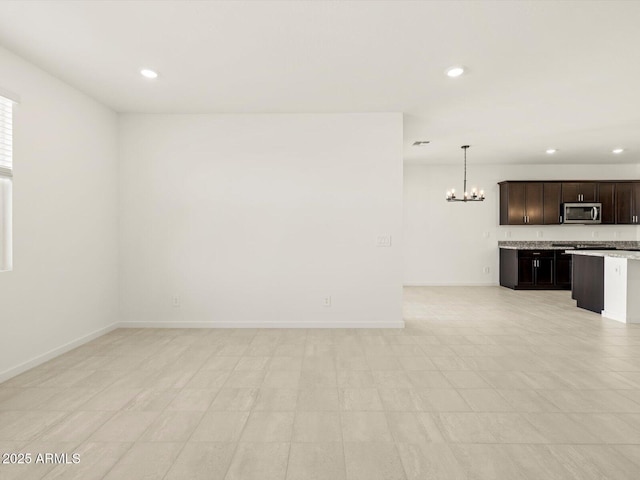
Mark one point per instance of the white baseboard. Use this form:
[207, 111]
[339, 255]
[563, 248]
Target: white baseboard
[451, 285]
[398, 324]
[45, 357]
[619, 318]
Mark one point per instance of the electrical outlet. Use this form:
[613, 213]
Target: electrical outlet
[616, 234]
[175, 301]
[486, 270]
[383, 241]
[326, 301]
[594, 234]
[486, 234]
[539, 234]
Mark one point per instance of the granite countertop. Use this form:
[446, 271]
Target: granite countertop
[608, 253]
[567, 245]
[533, 246]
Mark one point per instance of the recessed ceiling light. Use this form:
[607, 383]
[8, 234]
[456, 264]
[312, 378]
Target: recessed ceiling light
[145, 72]
[618, 150]
[454, 72]
[421, 143]
[551, 151]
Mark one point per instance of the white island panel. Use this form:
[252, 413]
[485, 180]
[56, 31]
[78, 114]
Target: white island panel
[622, 289]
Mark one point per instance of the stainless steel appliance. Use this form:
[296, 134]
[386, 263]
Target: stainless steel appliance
[582, 213]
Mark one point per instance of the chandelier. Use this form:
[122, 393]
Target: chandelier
[474, 196]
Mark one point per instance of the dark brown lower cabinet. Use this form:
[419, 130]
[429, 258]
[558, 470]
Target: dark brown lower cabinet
[535, 269]
[588, 282]
[563, 269]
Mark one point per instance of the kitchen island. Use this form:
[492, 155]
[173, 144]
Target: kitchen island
[546, 265]
[608, 282]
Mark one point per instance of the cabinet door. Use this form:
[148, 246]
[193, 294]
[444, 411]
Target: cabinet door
[544, 272]
[588, 191]
[606, 196]
[625, 203]
[563, 269]
[570, 192]
[534, 201]
[526, 272]
[551, 203]
[636, 201]
[579, 192]
[515, 203]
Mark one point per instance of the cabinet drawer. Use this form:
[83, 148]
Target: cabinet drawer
[536, 253]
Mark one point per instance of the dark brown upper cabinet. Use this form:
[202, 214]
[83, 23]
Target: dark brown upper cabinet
[521, 203]
[607, 196]
[627, 203]
[540, 202]
[551, 203]
[579, 192]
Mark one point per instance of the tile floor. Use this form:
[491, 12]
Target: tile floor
[483, 383]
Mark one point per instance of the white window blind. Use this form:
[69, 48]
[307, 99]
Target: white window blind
[6, 181]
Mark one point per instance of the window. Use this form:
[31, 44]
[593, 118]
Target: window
[6, 181]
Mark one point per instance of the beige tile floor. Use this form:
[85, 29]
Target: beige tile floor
[483, 383]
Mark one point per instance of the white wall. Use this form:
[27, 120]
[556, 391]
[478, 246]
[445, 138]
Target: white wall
[445, 243]
[64, 281]
[254, 219]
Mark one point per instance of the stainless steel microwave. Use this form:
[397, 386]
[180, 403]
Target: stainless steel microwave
[581, 213]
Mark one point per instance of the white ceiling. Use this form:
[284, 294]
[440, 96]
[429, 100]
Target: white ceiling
[541, 74]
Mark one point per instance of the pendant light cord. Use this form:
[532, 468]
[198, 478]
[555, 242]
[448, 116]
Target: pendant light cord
[464, 147]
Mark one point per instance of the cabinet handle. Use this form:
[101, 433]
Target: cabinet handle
[560, 218]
